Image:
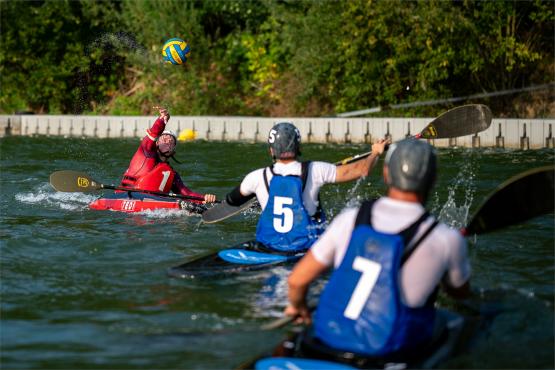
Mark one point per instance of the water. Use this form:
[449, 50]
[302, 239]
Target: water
[88, 289]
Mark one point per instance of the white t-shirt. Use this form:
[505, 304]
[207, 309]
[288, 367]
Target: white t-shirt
[443, 250]
[319, 173]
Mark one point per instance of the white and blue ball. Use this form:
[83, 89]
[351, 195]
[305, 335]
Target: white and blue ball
[175, 51]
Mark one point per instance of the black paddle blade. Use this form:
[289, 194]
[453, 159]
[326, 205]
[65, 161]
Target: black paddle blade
[224, 210]
[73, 181]
[460, 121]
[520, 198]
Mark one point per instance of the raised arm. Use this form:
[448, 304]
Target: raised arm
[355, 170]
[149, 141]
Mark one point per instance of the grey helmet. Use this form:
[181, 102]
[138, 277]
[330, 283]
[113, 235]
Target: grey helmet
[285, 140]
[411, 165]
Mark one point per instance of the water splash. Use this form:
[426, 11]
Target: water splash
[353, 199]
[253, 212]
[106, 51]
[451, 213]
[44, 195]
[165, 213]
[121, 41]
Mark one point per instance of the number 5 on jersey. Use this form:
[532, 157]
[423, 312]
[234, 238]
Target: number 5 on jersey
[283, 222]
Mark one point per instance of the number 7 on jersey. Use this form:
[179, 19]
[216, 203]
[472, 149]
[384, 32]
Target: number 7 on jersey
[370, 271]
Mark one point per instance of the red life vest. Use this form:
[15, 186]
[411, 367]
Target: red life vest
[160, 178]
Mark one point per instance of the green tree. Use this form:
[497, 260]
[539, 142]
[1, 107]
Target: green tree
[358, 54]
[270, 57]
[51, 59]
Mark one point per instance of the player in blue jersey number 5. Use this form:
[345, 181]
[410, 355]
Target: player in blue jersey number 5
[389, 258]
[292, 218]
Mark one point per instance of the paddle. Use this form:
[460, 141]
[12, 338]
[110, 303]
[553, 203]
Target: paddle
[520, 198]
[74, 181]
[524, 196]
[278, 323]
[225, 210]
[272, 325]
[460, 121]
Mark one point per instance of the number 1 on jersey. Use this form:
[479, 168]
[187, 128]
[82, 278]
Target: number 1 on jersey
[166, 175]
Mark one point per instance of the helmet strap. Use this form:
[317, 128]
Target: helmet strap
[164, 155]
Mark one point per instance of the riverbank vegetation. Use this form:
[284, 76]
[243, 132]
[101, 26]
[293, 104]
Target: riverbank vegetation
[277, 58]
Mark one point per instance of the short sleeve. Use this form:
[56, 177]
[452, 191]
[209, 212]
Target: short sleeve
[331, 246]
[323, 172]
[251, 181]
[459, 269]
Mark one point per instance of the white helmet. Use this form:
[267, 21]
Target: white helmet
[167, 149]
[169, 132]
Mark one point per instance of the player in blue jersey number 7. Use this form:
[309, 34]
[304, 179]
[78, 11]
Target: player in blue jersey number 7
[288, 191]
[389, 258]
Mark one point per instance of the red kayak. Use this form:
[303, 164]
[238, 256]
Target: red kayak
[138, 202]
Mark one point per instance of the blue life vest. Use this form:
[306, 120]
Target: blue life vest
[285, 224]
[360, 309]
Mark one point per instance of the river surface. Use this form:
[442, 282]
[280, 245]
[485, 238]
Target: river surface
[86, 289]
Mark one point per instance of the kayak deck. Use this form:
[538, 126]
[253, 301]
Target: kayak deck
[304, 351]
[247, 256]
[138, 202]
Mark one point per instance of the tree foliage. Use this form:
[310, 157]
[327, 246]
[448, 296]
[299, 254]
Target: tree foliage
[270, 57]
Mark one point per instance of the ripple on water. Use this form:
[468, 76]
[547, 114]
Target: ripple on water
[89, 288]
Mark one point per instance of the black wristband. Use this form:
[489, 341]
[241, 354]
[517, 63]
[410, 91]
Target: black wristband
[235, 198]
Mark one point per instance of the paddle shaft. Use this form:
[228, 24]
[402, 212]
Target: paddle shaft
[358, 157]
[179, 196]
[276, 324]
[459, 121]
[282, 321]
[75, 181]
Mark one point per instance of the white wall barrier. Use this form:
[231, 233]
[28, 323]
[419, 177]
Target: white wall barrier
[503, 133]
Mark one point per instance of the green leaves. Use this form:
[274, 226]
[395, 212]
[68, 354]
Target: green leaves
[48, 65]
[267, 57]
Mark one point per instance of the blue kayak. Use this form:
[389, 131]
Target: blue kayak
[247, 256]
[302, 351]
[288, 363]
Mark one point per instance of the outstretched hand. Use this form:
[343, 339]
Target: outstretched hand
[301, 315]
[209, 198]
[380, 146]
[164, 113]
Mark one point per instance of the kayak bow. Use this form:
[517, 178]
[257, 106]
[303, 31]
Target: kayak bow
[247, 256]
[137, 202]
